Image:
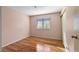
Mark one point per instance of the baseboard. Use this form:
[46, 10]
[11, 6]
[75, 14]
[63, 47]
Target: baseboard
[45, 38]
[14, 41]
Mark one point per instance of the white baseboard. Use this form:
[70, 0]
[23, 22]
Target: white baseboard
[14, 41]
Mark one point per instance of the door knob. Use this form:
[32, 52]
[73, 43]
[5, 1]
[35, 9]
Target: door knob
[75, 37]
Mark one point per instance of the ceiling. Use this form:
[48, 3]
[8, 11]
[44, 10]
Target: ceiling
[32, 10]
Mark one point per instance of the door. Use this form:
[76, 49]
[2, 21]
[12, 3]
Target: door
[0, 29]
[76, 29]
[70, 22]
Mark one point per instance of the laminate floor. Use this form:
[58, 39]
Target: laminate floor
[35, 44]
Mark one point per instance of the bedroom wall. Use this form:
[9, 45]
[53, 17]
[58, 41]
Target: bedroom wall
[55, 31]
[15, 26]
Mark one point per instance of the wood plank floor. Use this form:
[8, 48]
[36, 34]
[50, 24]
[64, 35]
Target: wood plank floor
[35, 44]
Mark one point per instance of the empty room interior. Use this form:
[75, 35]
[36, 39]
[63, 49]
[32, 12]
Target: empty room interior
[39, 29]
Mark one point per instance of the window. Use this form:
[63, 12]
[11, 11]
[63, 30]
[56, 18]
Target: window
[43, 23]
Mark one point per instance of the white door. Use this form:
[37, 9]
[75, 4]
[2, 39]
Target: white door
[76, 29]
[0, 29]
[70, 24]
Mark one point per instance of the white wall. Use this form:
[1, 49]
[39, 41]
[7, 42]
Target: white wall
[15, 26]
[64, 24]
[55, 31]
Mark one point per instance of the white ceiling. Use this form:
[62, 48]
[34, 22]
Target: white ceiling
[30, 10]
